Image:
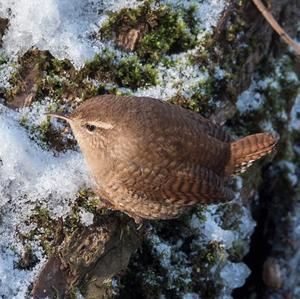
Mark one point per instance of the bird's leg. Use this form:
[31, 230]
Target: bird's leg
[139, 221]
[106, 203]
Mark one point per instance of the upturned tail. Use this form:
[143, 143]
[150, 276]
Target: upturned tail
[245, 151]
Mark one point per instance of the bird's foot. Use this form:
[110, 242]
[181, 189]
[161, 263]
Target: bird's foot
[138, 221]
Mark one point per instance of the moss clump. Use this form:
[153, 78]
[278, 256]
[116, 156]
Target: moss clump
[46, 135]
[48, 231]
[175, 262]
[191, 104]
[3, 59]
[237, 251]
[163, 29]
[51, 231]
[230, 215]
[127, 72]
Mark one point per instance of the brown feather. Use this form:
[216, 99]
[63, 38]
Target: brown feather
[155, 160]
[247, 150]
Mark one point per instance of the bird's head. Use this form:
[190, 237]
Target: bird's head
[90, 125]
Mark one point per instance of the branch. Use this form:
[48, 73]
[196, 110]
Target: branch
[270, 19]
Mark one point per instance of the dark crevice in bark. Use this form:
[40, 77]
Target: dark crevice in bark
[260, 247]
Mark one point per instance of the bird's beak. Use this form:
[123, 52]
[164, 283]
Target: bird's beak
[59, 115]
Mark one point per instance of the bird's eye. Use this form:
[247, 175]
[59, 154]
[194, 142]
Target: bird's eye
[90, 128]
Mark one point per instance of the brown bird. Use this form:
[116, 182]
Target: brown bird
[154, 160]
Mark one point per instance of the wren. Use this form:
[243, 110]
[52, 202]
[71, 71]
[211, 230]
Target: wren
[155, 160]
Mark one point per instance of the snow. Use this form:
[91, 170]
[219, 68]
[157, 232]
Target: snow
[61, 26]
[30, 176]
[190, 296]
[291, 169]
[64, 27]
[295, 115]
[207, 12]
[213, 231]
[87, 218]
[250, 100]
[235, 274]
[8, 274]
[162, 250]
[5, 73]
[29, 173]
[183, 78]
[232, 274]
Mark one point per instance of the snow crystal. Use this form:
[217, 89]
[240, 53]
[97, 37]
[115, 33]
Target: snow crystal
[191, 296]
[61, 26]
[14, 282]
[291, 169]
[64, 27]
[207, 12]
[211, 229]
[250, 100]
[183, 78]
[29, 176]
[5, 73]
[295, 115]
[87, 218]
[235, 274]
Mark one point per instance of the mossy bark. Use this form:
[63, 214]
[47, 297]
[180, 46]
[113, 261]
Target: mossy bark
[241, 24]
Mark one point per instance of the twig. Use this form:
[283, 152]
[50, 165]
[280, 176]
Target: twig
[270, 19]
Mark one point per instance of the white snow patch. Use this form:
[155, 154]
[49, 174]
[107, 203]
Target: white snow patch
[183, 78]
[61, 26]
[5, 73]
[235, 274]
[250, 100]
[295, 115]
[64, 27]
[291, 171]
[30, 176]
[87, 218]
[207, 12]
[14, 282]
[190, 296]
[213, 231]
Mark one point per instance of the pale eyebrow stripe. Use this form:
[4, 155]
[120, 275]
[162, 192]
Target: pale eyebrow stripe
[101, 124]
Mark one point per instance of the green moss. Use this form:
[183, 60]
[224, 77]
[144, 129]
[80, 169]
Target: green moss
[191, 104]
[50, 232]
[127, 72]
[204, 282]
[230, 215]
[131, 73]
[3, 59]
[47, 230]
[166, 30]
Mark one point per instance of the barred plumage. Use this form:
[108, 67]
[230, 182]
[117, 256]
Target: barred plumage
[155, 160]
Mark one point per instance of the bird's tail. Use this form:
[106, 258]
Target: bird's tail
[245, 151]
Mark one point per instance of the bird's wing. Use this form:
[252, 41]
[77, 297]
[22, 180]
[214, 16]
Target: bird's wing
[198, 184]
[216, 131]
[186, 186]
[212, 129]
